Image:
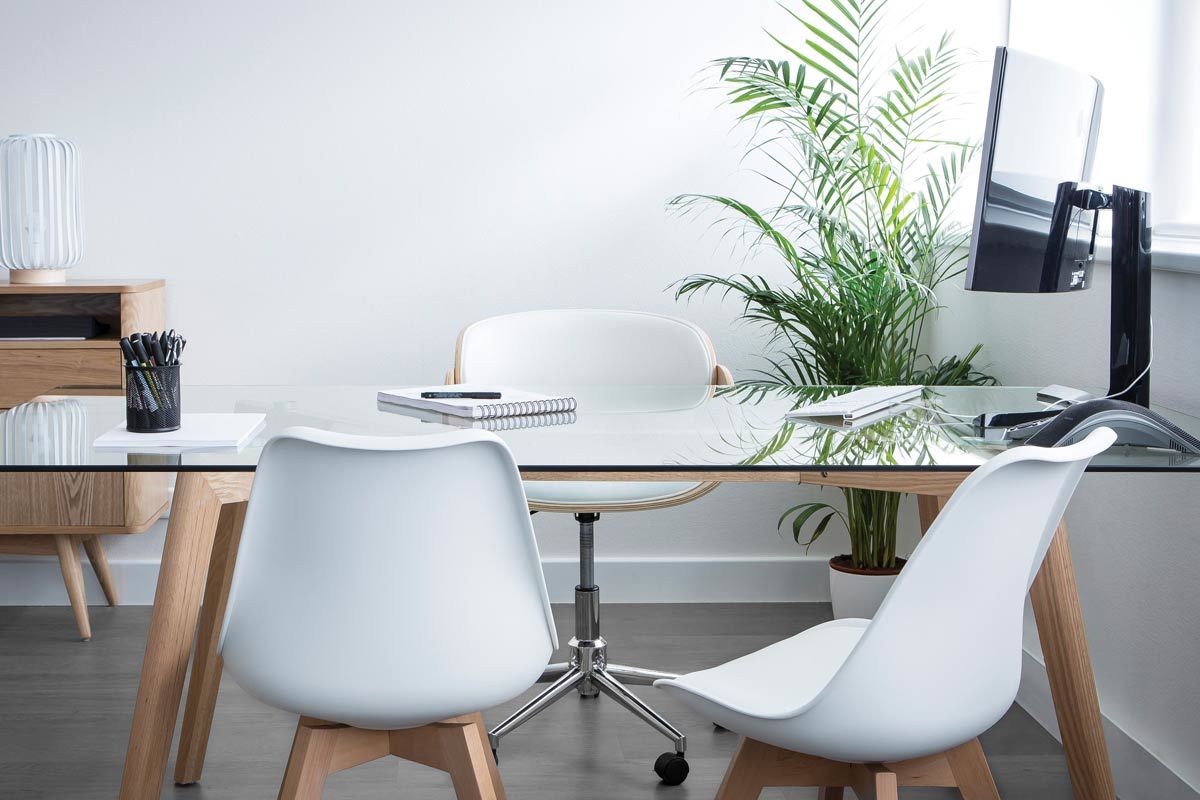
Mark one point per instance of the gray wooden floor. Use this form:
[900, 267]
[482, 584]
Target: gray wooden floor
[65, 709]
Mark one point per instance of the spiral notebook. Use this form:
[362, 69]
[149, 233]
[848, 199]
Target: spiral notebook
[497, 424]
[512, 402]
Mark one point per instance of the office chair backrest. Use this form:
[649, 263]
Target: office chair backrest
[582, 347]
[941, 660]
[387, 582]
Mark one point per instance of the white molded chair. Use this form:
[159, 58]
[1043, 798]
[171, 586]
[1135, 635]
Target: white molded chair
[901, 699]
[354, 600]
[580, 348]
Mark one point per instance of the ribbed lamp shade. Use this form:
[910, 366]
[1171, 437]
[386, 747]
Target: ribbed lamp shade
[41, 229]
[52, 432]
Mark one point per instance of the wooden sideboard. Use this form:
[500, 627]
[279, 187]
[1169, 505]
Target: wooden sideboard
[56, 513]
[30, 368]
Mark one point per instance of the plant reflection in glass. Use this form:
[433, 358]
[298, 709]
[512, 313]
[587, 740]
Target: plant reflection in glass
[910, 438]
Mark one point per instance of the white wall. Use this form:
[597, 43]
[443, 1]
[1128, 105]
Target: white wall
[386, 172]
[383, 173]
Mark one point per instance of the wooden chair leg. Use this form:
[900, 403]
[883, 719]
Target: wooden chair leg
[875, 782]
[309, 761]
[971, 772]
[458, 746]
[469, 759]
[72, 572]
[743, 778]
[756, 765]
[95, 554]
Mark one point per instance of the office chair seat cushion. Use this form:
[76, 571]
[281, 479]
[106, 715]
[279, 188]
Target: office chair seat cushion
[587, 495]
[776, 682]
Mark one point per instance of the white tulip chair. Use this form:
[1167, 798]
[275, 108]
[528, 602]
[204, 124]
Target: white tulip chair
[573, 349]
[902, 698]
[355, 600]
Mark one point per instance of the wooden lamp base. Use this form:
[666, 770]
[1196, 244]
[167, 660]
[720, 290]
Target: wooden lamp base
[37, 276]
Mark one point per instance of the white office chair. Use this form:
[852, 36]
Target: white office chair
[354, 601]
[580, 348]
[900, 699]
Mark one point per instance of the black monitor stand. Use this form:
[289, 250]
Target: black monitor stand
[1130, 330]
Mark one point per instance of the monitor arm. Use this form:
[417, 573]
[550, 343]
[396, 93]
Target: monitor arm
[1130, 331]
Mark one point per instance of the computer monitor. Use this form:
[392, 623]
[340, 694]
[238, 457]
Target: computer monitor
[1042, 123]
[1035, 224]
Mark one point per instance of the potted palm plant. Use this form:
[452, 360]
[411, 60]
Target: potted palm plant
[853, 137]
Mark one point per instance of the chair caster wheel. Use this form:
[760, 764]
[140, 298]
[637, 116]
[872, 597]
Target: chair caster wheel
[672, 768]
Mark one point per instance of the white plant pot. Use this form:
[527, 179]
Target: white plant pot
[857, 594]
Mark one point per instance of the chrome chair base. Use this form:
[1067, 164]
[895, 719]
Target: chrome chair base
[588, 672]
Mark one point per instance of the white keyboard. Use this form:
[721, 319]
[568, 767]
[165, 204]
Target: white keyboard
[859, 403]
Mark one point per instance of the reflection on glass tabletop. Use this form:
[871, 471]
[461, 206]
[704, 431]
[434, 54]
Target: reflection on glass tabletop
[627, 428]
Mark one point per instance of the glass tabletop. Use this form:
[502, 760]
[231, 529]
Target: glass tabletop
[675, 429]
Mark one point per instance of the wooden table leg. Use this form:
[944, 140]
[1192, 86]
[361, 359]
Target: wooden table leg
[1055, 597]
[194, 516]
[206, 663]
[1059, 617]
[928, 507]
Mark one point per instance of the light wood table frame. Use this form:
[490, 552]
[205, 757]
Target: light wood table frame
[201, 546]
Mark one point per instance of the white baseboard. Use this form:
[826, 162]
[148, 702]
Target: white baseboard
[796, 579]
[38, 582]
[1138, 773]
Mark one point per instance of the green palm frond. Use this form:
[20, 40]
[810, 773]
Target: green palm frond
[854, 140]
[867, 182]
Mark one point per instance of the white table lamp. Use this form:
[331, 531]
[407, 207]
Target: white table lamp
[41, 230]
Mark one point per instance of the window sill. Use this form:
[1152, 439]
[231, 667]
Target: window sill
[1169, 253]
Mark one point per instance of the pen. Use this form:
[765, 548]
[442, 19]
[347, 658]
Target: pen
[127, 351]
[148, 348]
[156, 348]
[139, 350]
[460, 395]
[145, 393]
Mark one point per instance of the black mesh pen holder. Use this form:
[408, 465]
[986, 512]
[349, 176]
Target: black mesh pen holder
[152, 403]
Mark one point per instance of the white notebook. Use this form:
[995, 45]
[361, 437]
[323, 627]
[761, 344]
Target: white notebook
[858, 404]
[840, 423]
[512, 402]
[195, 430]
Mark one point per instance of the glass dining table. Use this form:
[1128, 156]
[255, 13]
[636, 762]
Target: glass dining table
[618, 433]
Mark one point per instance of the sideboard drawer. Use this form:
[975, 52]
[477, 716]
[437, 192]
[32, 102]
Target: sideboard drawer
[79, 502]
[27, 373]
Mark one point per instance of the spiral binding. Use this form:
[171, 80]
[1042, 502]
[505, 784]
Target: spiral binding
[493, 410]
[513, 423]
